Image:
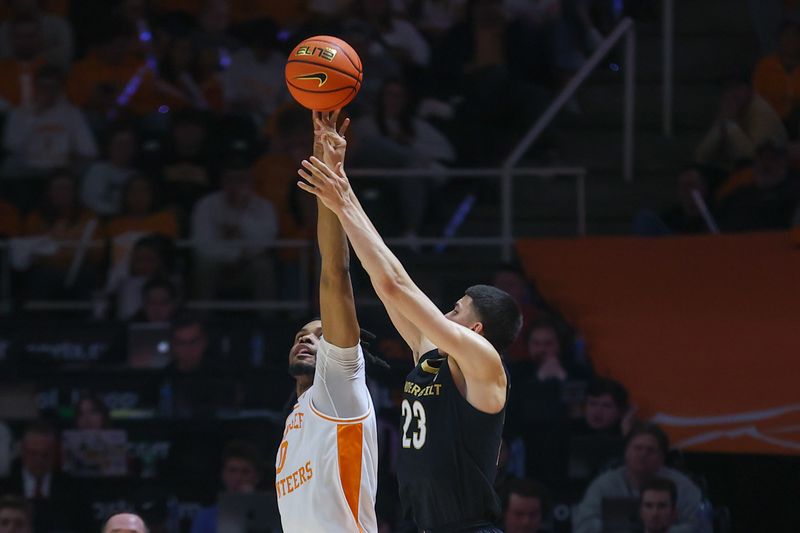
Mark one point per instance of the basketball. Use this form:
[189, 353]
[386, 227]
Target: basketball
[323, 73]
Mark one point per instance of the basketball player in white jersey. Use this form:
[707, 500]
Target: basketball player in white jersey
[327, 462]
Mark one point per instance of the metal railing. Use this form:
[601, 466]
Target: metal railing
[504, 241]
[625, 28]
[667, 47]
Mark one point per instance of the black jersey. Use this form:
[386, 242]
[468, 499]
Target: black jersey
[449, 450]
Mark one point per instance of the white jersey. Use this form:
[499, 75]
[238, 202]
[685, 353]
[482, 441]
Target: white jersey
[327, 467]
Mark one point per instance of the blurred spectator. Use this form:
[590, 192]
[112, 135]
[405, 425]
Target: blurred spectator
[188, 344]
[214, 22]
[124, 523]
[274, 178]
[744, 121]
[17, 82]
[56, 33]
[50, 134]
[15, 515]
[112, 78]
[398, 35]
[485, 60]
[375, 59]
[241, 473]
[160, 301]
[61, 218]
[188, 76]
[254, 82]
[607, 409]
[645, 453]
[394, 133]
[56, 504]
[9, 220]
[152, 256]
[525, 507]
[186, 167]
[658, 508]
[91, 413]
[685, 217]
[777, 76]
[764, 198]
[231, 229]
[512, 280]
[140, 212]
[105, 180]
[434, 17]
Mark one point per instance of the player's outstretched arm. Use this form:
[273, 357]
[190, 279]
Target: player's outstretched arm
[340, 388]
[337, 306]
[477, 358]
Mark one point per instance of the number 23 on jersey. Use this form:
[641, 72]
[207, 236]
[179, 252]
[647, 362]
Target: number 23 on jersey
[411, 411]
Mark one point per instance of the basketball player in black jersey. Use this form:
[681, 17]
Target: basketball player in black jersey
[454, 400]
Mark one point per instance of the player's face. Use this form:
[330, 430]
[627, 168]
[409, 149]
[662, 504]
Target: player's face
[239, 475]
[463, 313]
[523, 515]
[602, 412]
[657, 511]
[643, 457]
[13, 521]
[303, 355]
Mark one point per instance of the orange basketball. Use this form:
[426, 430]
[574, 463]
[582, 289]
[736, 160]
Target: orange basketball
[323, 73]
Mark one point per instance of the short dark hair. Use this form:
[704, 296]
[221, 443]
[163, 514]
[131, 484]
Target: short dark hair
[499, 314]
[15, 502]
[648, 428]
[601, 386]
[662, 484]
[187, 318]
[161, 282]
[242, 449]
[42, 426]
[527, 488]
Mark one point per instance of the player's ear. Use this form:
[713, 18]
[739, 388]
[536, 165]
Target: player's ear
[477, 327]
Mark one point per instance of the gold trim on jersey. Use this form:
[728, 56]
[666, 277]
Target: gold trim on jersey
[430, 369]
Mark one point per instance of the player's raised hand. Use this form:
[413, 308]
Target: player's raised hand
[332, 188]
[332, 141]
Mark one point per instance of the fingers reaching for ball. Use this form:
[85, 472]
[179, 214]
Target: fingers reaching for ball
[331, 187]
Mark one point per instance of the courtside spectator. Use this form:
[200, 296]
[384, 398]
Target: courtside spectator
[607, 409]
[91, 413]
[645, 452]
[513, 281]
[525, 507]
[241, 473]
[15, 515]
[160, 301]
[105, 180]
[55, 502]
[685, 216]
[658, 507]
[56, 32]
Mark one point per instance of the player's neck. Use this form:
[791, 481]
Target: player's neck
[303, 383]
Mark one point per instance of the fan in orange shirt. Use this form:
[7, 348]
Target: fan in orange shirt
[112, 76]
[9, 220]
[275, 175]
[140, 212]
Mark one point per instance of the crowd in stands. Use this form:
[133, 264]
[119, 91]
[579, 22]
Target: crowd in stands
[744, 176]
[137, 124]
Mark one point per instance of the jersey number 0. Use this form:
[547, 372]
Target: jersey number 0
[408, 412]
